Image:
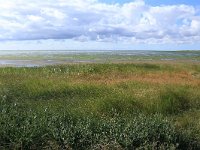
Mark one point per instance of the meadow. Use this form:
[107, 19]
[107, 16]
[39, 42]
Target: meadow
[131, 105]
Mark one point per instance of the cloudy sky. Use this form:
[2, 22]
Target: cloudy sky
[99, 24]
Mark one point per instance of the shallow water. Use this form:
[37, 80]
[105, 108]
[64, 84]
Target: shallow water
[50, 57]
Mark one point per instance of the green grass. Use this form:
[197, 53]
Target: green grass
[101, 106]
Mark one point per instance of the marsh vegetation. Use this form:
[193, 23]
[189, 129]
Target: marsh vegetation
[101, 106]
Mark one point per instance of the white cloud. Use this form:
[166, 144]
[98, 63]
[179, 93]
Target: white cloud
[90, 20]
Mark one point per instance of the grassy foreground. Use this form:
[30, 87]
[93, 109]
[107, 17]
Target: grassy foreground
[101, 106]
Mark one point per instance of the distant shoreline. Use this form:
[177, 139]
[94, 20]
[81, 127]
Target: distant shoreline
[49, 57]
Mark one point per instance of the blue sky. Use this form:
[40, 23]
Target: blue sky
[100, 24]
[158, 2]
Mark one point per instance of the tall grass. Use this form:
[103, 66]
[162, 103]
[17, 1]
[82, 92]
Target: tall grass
[100, 106]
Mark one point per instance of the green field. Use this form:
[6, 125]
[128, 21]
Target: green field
[152, 105]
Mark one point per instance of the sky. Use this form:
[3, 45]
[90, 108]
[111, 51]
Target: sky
[100, 25]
